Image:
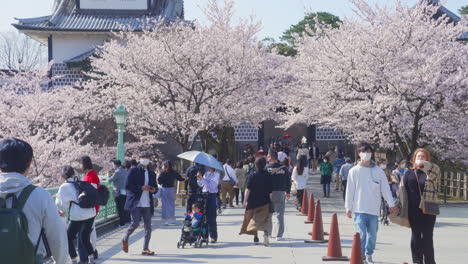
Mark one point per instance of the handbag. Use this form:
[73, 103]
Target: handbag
[231, 180]
[427, 207]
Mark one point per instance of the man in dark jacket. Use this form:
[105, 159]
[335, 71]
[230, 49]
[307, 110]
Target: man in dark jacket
[281, 182]
[191, 185]
[314, 156]
[140, 185]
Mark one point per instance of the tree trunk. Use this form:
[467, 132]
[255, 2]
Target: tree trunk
[224, 145]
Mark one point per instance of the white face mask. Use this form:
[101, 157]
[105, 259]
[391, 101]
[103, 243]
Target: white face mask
[403, 166]
[324, 160]
[365, 156]
[383, 166]
[418, 162]
[144, 162]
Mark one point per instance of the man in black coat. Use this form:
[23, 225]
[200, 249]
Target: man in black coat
[140, 185]
[314, 156]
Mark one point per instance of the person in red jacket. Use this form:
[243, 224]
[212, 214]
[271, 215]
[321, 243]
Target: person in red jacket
[91, 177]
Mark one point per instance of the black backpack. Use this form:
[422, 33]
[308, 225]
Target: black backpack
[103, 195]
[87, 194]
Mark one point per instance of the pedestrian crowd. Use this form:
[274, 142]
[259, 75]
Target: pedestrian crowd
[261, 183]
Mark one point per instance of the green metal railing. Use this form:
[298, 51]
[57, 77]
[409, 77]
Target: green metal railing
[107, 212]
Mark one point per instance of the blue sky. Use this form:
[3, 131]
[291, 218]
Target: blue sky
[276, 15]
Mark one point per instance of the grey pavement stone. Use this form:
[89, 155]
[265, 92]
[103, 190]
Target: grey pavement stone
[392, 243]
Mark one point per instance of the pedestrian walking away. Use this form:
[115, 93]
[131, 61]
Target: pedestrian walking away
[239, 188]
[209, 184]
[118, 179]
[257, 203]
[91, 177]
[140, 185]
[339, 161]
[81, 219]
[326, 171]
[367, 183]
[281, 189]
[344, 172]
[421, 183]
[41, 214]
[299, 176]
[228, 182]
[166, 180]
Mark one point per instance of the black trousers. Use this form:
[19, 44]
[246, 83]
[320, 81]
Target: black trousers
[422, 230]
[300, 195]
[124, 216]
[236, 195]
[83, 228]
[211, 208]
[344, 182]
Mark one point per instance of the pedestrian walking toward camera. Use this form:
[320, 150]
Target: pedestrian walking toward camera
[209, 183]
[314, 156]
[257, 203]
[45, 234]
[339, 161]
[81, 218]
[367, 183]
[227, 184]
[239, 188]
[326, 171]
[397, 175]
[421, 186]
[344, 172]
[281, 182]
[299, 176]
[166, 180]
[140, 185]
[118, 180]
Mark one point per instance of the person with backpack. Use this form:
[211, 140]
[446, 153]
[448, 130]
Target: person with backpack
[91, 177]
[140, 185]
[30, 221]
[81, 216]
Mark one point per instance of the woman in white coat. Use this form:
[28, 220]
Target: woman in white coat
[81, 219]
[299, 176]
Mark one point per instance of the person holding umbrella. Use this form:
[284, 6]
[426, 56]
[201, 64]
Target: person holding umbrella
[208, 182]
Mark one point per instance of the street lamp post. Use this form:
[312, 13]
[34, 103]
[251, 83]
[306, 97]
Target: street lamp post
[120, 115]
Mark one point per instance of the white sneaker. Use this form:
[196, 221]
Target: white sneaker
[369, 259]
[266, 241]
[279, 239]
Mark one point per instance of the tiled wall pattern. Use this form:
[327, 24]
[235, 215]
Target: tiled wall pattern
[328, 134]
[245, 132]
[67, 76]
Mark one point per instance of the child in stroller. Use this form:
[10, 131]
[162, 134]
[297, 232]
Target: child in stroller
[192, 221]
[194, 229]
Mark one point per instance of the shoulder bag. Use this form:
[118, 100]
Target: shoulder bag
[427, 207]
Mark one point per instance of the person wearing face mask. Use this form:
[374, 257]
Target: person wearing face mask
[140, 185]
[382, 163]
[421, 182]
[397, 175]
[326, 170]
[367, 183]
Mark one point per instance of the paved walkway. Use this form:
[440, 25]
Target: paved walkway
[392, 244]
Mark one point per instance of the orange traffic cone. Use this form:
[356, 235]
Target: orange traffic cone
[304, 207]
[317, 227]
[356, 251]
[334, 243]
[311, 211]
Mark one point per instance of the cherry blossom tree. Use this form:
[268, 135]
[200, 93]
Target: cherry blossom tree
[394, 75]
[50, 119]
[187, 80]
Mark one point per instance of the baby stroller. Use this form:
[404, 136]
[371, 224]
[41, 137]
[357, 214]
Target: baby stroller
[199, 234]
